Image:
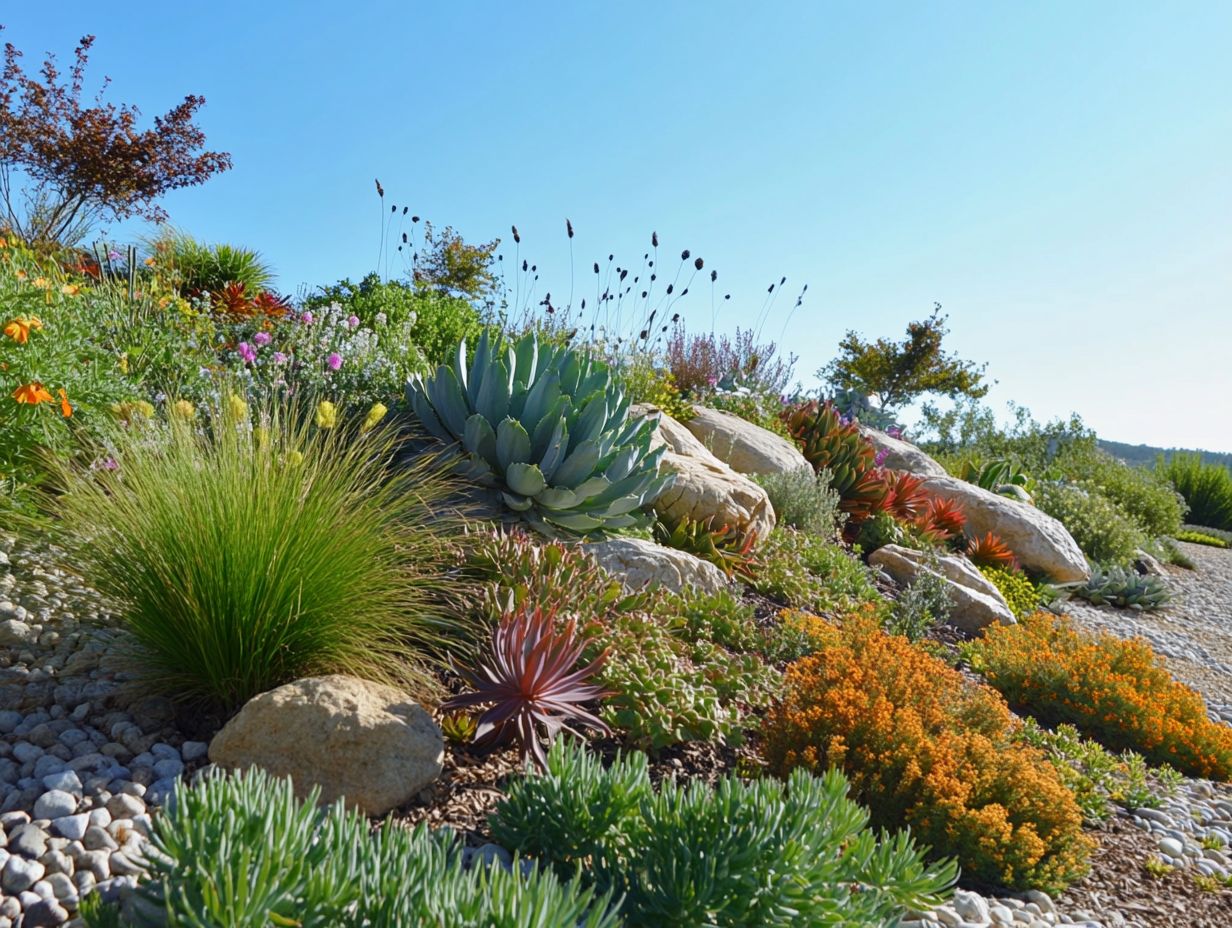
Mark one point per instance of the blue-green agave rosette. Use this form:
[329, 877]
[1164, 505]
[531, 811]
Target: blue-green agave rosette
[549, 428]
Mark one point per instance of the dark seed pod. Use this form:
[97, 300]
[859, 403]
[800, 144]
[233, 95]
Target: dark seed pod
[684, 291]
[669, 289]
[654, 236]
[393, 209]
[403, 238]
[684, 255]
[405, 210]
[596, 267]
[675, 317]
[380, 191]
[698, 264]
[414, 219]
[714, 275]
[524, 264]
[517, 238]
[569, 228]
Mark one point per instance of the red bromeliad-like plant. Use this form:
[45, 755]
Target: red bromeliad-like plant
[991, 551]
[532, 684]
[941, 520]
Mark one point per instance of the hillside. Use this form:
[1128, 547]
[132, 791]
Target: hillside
[1146, 454]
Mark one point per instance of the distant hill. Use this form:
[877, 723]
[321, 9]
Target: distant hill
[1146, 454]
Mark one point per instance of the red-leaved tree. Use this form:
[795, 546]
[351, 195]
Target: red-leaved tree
[65, 166]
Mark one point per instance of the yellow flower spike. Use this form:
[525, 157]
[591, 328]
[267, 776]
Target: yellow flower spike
[143, 408]
[124, 363]
[237, 409]
[260, 437]
[182, 409]
[327, 415]
[375, 415]
[295, 458]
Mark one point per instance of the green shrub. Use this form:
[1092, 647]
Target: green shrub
[1021, 595]
[1213, 532]
[804, 500]
[197, 268]
[434, 322]
[1202, 538]
[1102, 530]
[1098, 778]
[812, 573]
[240, 558]
[649, 384]
[720, 617]
[738, 854]
[243, 852]
[549, 429]
[1151, 502]
[1207, 488]
[761, 409]
[924, 603]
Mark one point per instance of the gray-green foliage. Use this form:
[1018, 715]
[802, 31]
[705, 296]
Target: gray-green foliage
[922, 604]
[805, 500]
[243, 852]
[737, 854]
[549, 428]
[1101, 528]
[808, 572]
[1124, 587]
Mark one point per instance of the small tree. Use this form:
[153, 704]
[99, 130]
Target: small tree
[450, 265]
[81, 164]
[895, 373]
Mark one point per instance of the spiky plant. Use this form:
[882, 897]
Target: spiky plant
[990, 551]
[549, 428]
[532, 684]
[829, 441]
[727, 548]
[942, 519]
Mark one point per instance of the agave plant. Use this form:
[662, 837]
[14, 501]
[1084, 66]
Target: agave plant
[532, 684]
[829, 441]
[550, 429]
[991, 551]
[1000, 477]
[1124, 587]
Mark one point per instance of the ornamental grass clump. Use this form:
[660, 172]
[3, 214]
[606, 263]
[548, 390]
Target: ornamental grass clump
[762, 853]
[241, 557]
[924, 748]
[1113, 690]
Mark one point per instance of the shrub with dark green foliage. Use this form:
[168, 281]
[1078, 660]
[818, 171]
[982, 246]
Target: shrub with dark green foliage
[243, 852]
[240, 558]
[739, 854]
[438, 321]
[1207, 488]
[812, 573]
[1102, 530]
[804, 500]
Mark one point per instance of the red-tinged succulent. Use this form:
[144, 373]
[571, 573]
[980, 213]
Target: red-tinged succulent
[232, 300]
[991, 551]
[532, 684]
[906, 499]
[727, 548]
[942, 519]
[268, 303]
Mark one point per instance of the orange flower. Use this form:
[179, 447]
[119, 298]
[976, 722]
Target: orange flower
[70, 289]
[66, 409]
[32, 393]
[20, 274]
[19, 329]
[41, 282]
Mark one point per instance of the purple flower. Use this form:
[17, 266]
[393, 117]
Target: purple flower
[353, 321]
[894, 432]
[712, 380]
[262, 338]
[881, 456]
[306, 318]
[247, 352]
[114, 255]
[279, 357]
[334, 361]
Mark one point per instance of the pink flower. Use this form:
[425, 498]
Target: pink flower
[353, 321]
[334, 361]
[306, 318]
[262, 338]
[247, 352]
[279, 357]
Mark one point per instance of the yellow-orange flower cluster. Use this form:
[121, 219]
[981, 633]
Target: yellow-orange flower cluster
[1116, 691]
[923, 747]
[34, 393]
[19, 329]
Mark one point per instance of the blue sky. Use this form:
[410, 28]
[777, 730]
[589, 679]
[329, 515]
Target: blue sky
[1057, 175]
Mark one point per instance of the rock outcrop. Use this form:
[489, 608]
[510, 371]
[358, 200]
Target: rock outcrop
[637, 563]
[705, 487]
[902, 455]
[364, 741]
[977, 603]
[744, 447]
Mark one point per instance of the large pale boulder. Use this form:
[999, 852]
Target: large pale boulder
[1039, 541]
[744, 447]
[976, 602]
[353, 738]
[638, 562]
[902, 455]
[705, 487]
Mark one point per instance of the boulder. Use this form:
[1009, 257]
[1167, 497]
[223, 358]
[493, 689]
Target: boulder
[744, 447]
[977, 603]
[364, 741]
[638, 562]
[1039, 541]
[705, 487]
[902, 455]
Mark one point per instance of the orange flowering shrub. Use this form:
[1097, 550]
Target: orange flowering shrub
[1115, 691]
[923, 747]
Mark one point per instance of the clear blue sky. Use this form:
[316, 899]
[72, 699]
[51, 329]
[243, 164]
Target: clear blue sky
[1057, 174]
